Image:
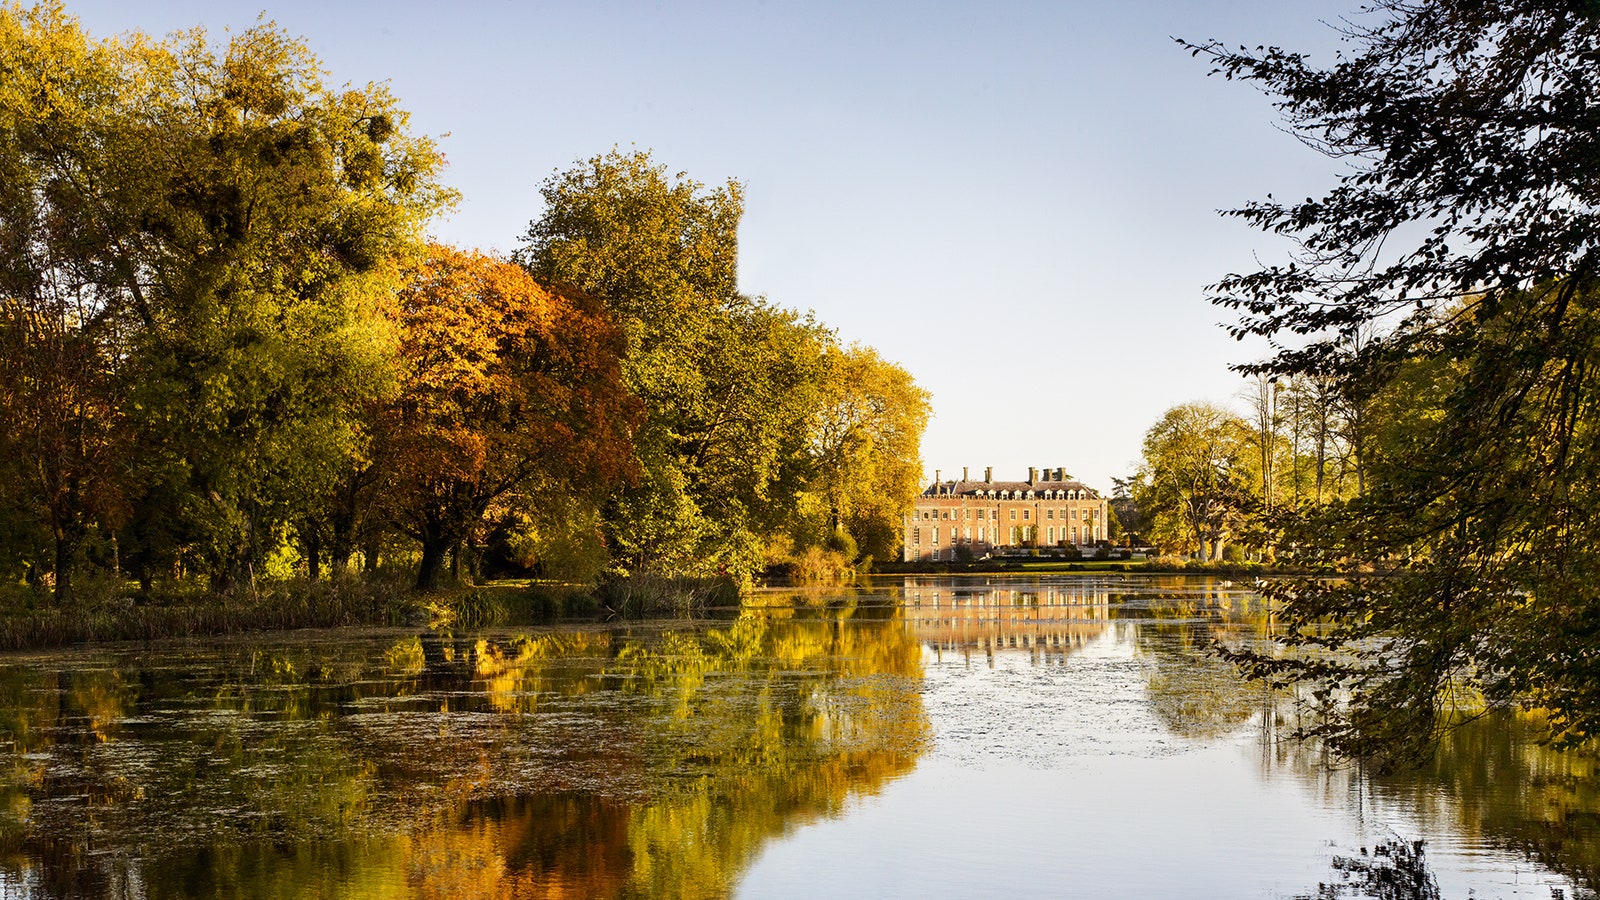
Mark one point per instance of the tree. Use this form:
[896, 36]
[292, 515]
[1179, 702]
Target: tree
[1261, 396]
[1194, 482]
[1461, 239]
[279, 211]
[64, 442]
[504, 387]
[729, 383]
[203, 240]
[866, 443]
[1129, 522]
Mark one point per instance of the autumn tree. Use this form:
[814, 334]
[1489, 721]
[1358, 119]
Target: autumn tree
[1460, 236]
[505, 388]
[1194, 484]
[866, 446]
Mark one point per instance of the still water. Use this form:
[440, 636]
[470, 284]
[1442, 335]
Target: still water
[927, 737]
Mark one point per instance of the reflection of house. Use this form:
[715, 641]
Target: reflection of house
[955, 518]
[1047, 619]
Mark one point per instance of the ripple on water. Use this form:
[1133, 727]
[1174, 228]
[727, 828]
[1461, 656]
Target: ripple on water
[1004, 708]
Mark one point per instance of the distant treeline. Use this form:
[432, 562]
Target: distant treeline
[227, 349]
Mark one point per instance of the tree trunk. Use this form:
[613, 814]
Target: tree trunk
[342, 540]
[66, 561]
[313, 552]
[433, 553]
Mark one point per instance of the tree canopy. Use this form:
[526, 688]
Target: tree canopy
[1195, 481]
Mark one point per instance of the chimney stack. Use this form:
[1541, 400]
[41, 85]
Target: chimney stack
[937, 479]
[1061, 474]
[963, 473]
[988, 475]
[1033, 474]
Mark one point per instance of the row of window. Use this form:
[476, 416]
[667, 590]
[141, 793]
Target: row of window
[1092, 515]
[1026, 495]
[1018, 534]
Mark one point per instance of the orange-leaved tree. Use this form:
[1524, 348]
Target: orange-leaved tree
[504, 385]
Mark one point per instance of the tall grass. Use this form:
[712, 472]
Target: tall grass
[658, 596]
[114, 611]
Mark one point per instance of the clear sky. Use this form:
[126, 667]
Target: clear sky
[1015, 201]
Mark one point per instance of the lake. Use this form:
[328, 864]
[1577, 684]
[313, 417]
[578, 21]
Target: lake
[987, 736]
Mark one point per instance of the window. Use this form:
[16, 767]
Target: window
[983, 535]
[916, 535]
[1074, 513]
[1074, 534]
[1013, 533]
[1027, 513]
[980, 514]
[955, 535]
[1094, 514]
[968, 536]
[1013, 518]
[936, 535]
[1052, 534]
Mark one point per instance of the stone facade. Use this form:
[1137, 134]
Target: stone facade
[1049, 513]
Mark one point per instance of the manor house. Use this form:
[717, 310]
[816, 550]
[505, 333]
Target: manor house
[955, 519]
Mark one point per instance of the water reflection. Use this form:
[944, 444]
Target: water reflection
[580, 763]
[687, 760]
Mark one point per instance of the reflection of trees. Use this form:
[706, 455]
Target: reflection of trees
[1396, 870]
[1489, 782]
[564, 764]
[1194, 693]
[1513, 792]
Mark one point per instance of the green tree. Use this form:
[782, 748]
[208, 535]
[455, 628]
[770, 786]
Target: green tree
[729, 383]
[1461, 236]
[206, 235]
[278, 211]
[63, 440]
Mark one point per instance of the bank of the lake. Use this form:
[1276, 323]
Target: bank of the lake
[119, 613]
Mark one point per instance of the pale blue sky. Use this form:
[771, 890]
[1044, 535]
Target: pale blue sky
[1016, 202]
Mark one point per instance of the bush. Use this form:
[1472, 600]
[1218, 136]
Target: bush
[819, 566]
